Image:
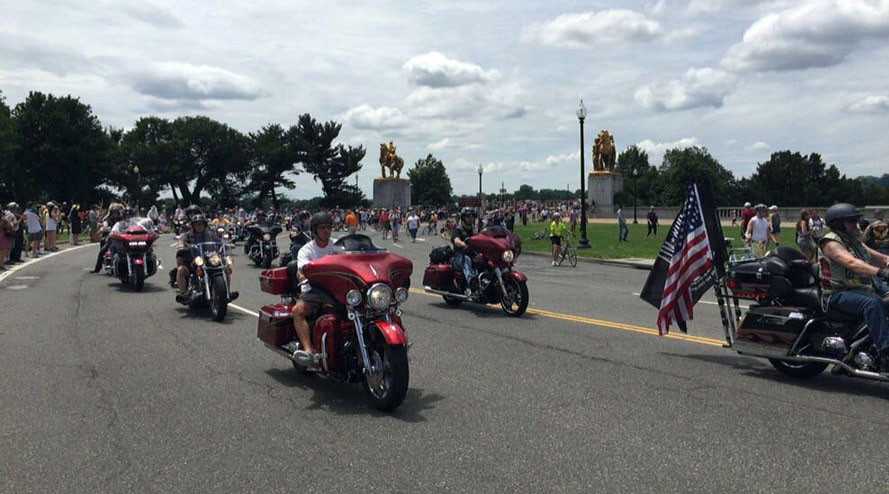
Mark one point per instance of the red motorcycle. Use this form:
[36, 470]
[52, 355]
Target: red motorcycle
[496, 250]
[134, 259]
[358, 329]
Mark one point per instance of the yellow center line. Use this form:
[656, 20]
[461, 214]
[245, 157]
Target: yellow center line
[607, 324]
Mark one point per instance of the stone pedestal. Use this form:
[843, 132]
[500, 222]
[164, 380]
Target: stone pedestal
[601, 189]
[391, 192]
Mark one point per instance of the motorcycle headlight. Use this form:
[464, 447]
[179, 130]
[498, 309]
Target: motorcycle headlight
[508, 256]
[215, 260]
[353, 298]
[401, 295]
[379, 296]
[266, 237]
[229, 261]
[198, 261]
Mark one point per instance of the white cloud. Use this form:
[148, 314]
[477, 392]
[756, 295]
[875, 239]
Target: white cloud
[656, 8]
[870, 104]
[589, 29]
[812, 33]
[435, 146]
[758, 146]
[656, 150]
[503, 102]
[433, 69]
[711, 6]
[153, 15]
[548, 162]
[367, 117]
[698, 88]
[462, 164]
[182, 81]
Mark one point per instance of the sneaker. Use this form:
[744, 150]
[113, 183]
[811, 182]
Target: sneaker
[233, 295]
[182, 298]
[554, 263]
[467, 291]
[306, 359]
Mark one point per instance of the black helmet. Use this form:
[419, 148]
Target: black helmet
[467, 212]
[129, 212]
[319, 219]
[193, 209]
[199, 218]
[839, 213]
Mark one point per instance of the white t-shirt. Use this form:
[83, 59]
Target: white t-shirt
[32, 221]
[50, 223]
[311, 252]
[760, 227]
[413, 222]
[121, 226]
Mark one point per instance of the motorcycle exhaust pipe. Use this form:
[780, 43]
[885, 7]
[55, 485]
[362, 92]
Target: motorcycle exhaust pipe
[441, 292]
[846, 367]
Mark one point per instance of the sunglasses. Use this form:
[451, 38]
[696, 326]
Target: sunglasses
[324, 227]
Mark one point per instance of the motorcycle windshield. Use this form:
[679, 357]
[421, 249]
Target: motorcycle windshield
[357, 244]
[207, 249]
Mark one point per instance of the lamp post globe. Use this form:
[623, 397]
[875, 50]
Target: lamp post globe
[584, 242]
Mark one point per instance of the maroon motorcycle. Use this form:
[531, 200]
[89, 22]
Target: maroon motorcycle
[494, 252]
[358, 329]
[133, 260]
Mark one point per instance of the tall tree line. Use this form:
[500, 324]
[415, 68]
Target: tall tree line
[55, 148]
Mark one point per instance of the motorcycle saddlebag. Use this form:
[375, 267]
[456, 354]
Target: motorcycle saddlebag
[438, 276]
[749, 279]
[275, 281]
[441, 255]
[772, 326]
[275, 324]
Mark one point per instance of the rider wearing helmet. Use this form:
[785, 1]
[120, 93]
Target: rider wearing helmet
[198, 234]
[557, 230]
[125, 222]
[310, 300]
[115, 213]
[849, 275]
[462, 258]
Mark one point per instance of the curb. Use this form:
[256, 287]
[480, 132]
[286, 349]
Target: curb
[18, 267]
[593, 260]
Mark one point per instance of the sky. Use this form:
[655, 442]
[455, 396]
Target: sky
[480, 82]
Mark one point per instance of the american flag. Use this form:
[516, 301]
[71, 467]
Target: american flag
[691, 259]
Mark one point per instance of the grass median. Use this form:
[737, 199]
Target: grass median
[604, 244]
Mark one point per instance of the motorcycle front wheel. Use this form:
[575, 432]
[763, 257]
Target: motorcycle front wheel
[218, 299]
[802, 370]
[266, 262]
[515, 302]
[138, 282]
[386, 388]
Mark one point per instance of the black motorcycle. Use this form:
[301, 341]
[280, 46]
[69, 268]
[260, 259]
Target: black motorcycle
[788, 323]
[208, 283]
[297, 240]
[262, 248]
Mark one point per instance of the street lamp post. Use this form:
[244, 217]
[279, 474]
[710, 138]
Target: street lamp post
[635, 193]
[584, 243]
[481, 198]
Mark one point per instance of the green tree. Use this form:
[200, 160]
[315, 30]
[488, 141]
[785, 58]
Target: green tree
[330, 164]
[682, 166]
[206, 154]
[525, 192]
[7, 153]
[790, 178]
[62, 150]
[273, 156]
[633, 165]
[430, 183]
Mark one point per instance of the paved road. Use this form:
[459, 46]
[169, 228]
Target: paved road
[103, 390]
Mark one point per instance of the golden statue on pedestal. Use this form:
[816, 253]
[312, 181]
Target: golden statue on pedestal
[389, 159]
[604, 153]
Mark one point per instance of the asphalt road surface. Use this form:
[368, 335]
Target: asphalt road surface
[105, 390]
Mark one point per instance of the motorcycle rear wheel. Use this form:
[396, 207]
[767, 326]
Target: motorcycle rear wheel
[518, 295]
[218, 299]
[386, 390]
[801, 370]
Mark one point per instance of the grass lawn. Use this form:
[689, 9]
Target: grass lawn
[604, 244]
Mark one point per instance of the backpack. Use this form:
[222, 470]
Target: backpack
[441, 255]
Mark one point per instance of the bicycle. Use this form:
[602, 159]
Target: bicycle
[428, 229]
[568, 251]
[541, 234]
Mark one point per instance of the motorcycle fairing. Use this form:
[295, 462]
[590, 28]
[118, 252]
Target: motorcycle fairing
[392, 332]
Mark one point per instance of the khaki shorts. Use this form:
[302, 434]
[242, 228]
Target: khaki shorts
[759, 248]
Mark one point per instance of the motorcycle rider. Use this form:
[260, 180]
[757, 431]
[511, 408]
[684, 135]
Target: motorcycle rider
[189, 213]
[310, 300]
[462, 258]
[197, 234]
[115, 213]
[852, 267]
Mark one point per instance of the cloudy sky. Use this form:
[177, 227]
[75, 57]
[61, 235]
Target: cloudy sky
[475, 81]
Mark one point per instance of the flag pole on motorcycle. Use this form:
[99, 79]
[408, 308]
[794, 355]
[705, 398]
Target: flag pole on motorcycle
[691, 260]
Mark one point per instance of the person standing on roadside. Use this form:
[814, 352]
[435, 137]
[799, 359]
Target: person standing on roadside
[758, 230]
[804, 236]
[384, 222]
[623, 231]
[652, 223]
[775, 224]
[18, 237]
[6, 238]
[35, 230]
[351, 222]
[746, 215]
[74, 222]
[816, 225]
[395, 222]
[413, 225]
[51, 225]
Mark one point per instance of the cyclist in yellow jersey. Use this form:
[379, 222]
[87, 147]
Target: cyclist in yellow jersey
[557, 230]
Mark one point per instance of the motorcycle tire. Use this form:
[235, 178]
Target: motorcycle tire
[452, 301]
[266, 262]
[218, 299]
[386, 392]
[139, 282]
[517, 289]
[800, 370]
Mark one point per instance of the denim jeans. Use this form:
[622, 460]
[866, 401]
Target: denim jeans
[870, 306]
[464, 262]
[622, 232]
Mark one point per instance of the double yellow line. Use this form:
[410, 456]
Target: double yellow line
[609, 324]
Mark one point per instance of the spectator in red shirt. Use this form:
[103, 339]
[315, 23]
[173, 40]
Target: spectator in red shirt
[746, 214]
